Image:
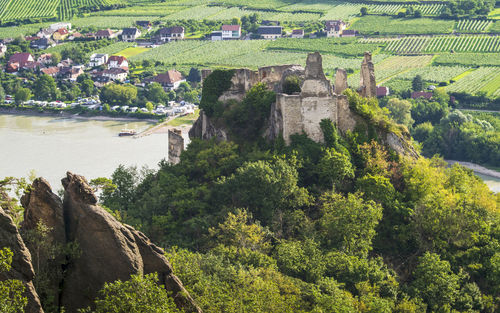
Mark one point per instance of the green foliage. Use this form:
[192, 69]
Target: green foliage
[400, 111]
[435, 283]
[118, 94]
[291, 84]
[12, 299]
[22, 95]
[246, 119]
[140, 294]
[348, 223]
[417, 84]
[213, 87]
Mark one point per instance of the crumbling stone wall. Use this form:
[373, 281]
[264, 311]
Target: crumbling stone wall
[243, 79]
[175, 145]
[368, 86]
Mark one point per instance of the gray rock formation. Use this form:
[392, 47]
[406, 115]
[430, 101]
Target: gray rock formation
[109, 251]
[42, 205]
[315, 83]
[21, 262]
[175, 145]
[368, 85]
[204, 128]
[340, 81]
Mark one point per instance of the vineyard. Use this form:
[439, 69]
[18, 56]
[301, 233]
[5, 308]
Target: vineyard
[419, 44]
[387, 25]
[468, 59]
[25, 9]
[341, 46]
[435, 74]
[475, 81]
[473, 25]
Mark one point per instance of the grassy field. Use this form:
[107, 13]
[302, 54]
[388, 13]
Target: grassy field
[475, 81]
[131, 51]
[428, 44]
[468, 59]
[184, 120]
[495, 14]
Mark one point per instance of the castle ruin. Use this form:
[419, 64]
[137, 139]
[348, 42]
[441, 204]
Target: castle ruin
[302, 111]
[175, 146]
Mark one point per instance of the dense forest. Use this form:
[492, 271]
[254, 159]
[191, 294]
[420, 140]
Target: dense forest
[346, 225]
[341, 226]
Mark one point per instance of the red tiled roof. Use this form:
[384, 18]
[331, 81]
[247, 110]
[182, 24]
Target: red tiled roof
[118, 58]
[50, 70]
[298, 32]
[21, 57]
[62, 31]
[382, 91]
[231, 28]
[421, 94]
[169, 77]
[104, 33]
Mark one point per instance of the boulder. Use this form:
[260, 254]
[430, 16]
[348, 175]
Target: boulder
[109, 250]
[21, 261]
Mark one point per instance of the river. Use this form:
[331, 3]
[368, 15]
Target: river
[51, 146]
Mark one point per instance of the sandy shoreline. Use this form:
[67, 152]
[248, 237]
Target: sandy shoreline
[477, 168]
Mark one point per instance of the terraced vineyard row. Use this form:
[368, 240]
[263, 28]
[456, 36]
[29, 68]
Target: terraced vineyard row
[24, 9]
[475, 81]
[473, 25]
[429, 9]
[421, 44]
[386, 8]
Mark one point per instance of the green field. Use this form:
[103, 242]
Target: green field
[468, 59]
[131, 51]
[476, 81]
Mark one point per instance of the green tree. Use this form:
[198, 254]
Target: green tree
[150, 107]
[87, 87]
[156, 93]
[291, 84]
[334, 168]
[118, 94]
[363, 11]
[22, 95]
[56, 58]
[400, 111]
[140, 294]
[45, 88]
[435, 283]
[348, 223]
[12, 299]
[194, 75]
[417, 83]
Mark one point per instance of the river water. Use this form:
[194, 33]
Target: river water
[51, 146]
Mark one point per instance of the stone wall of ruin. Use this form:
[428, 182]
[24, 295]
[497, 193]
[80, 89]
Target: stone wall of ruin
[175, 146]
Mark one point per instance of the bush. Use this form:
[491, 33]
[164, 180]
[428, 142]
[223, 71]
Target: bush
[213, 87]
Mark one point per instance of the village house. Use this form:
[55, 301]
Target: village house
[130, 34]
[422, 94]
[171, 33]
[75, 35]
[71, 73]
[60, 25]
[231, 32]
[60, 34]
[117, 61]
[101, 81]
[145, 25]
[334, 28]
[169, 80]
[52, 71]
[117, 74]
[216, 35]
[382, 91]
[45, 33]
[45, 59]
[104, 34]
[98, 59]
[42, 43]
[270, 32]
[349, 33]
[65, 63]
[19, 60]
[297, 33]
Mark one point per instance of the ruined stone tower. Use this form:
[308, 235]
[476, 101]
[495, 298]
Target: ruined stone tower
[368, 86]
[175, 145]
[340, 81]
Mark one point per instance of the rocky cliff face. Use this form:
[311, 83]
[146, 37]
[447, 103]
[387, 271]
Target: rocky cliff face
[21, 262]
[108, 249]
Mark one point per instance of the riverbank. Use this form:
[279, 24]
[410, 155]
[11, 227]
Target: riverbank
[477, 168]
[26, 111]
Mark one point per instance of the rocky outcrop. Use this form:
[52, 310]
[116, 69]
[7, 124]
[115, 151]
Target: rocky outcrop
[42, 205]
[204, 128]
[21, 261]
[109, 251]
[368, 85]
